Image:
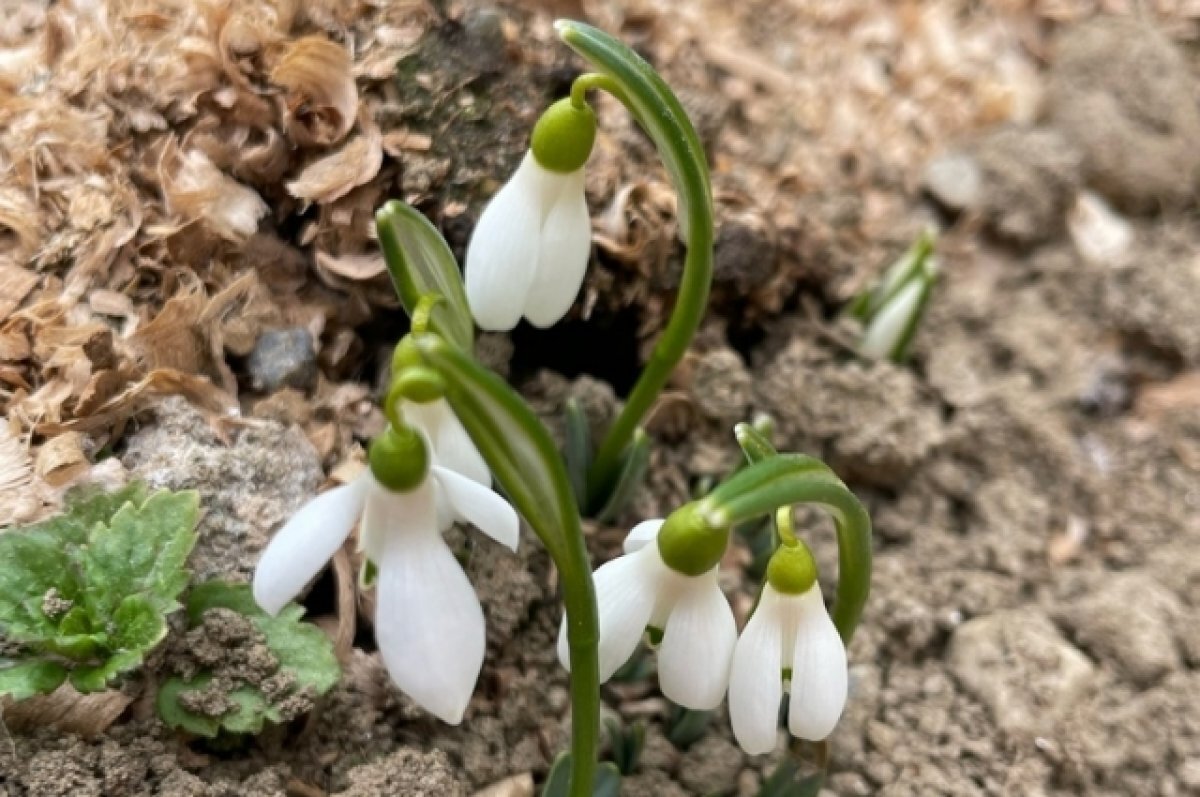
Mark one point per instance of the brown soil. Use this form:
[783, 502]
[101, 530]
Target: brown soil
[1033, 473]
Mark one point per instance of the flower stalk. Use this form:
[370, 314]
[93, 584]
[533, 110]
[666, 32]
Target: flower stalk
[628, 77]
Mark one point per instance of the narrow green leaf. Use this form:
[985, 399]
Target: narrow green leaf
[754, 444]
[514, 443]
[606, 784]
[687, 726]
[783, 782]
[23, 681]
[421, 263]
[633, 471]
[577, 451]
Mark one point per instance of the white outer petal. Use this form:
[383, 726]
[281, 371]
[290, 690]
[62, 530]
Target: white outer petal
[626, 591]
[889, 324]
[307, 542]
[452, 446]
[819, 672]
[566, 244]
[428, 621]
[697, 646]
[642, 534]
[502, 256]
[478, 505]
[756, 677]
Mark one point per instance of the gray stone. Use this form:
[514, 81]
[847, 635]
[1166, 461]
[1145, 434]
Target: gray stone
[1124, 95]
[283, 358]
[954, 180]
[1127, 619]
[1017, 664]
[711, 765]
[249, 484]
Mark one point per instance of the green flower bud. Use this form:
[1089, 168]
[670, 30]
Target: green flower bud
[792, 569]
[688, 544]
[399, 459]
[563, 138]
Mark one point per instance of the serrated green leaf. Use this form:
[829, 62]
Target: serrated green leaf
[302, 649]
[251, 710]
[174, 715]
[88, 505]
[31, 564]
[97, 678]
[421, 264]
[23, 681]
[142, 549]
[138, 624]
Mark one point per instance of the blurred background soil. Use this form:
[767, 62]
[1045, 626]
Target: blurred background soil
[190, 294]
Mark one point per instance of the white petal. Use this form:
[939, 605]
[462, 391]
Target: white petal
[302, 547]
[891, 322]
[383, 513]
[756, 678]
[625, 597]
[642, 534]
[428, 622]
[566, 244]
[454, 448]
[478, 505]
[503, 254]
[819, 672]
[697, 646]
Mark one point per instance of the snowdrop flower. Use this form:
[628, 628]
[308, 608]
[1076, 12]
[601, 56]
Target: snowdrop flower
[428, 622]
[789, 642]
[528, 253]
[640, 590]
[892, 311]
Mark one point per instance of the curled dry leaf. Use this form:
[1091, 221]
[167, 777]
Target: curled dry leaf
[67, 711]
[321, 99]
[61, 460]
[15, 284]
[334, 176]
[198, 190]
[352, 267]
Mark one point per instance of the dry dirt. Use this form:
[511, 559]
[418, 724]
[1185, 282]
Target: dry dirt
[1033, 473]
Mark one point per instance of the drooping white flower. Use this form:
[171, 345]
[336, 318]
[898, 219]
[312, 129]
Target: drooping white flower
[428, 624]
[639, 590]
[529, 252]
[788, 633]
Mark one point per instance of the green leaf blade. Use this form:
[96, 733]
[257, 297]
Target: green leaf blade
[420, 264]
[23, 681]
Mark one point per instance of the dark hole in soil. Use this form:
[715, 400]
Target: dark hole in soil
[602, 347]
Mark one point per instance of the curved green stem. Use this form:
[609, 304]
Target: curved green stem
[525, 463]
[594, 80]
[781, 481]
[657, 110]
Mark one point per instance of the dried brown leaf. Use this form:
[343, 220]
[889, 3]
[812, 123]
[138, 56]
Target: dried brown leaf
[334, 176]
[61, 460]
[196, 190]
[67, 711]
[321, 99]
[352, 267]
[15, 284]
[18, 503]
